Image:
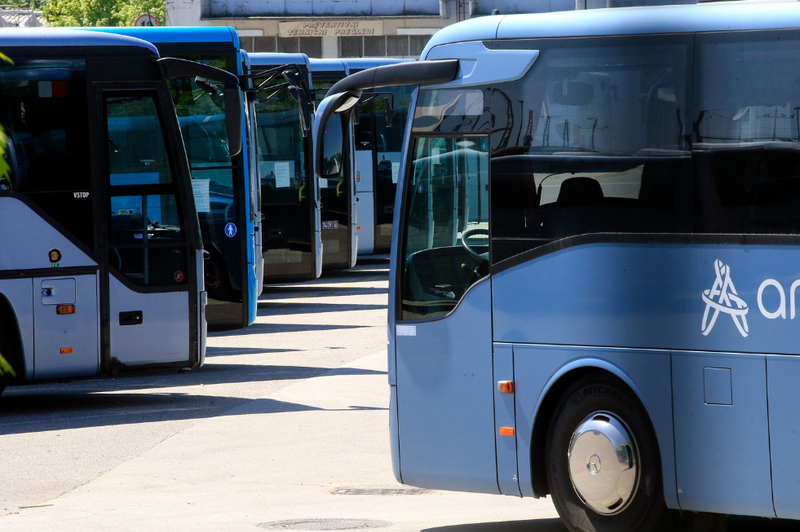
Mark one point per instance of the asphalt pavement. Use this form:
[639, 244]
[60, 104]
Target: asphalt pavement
[285, 428]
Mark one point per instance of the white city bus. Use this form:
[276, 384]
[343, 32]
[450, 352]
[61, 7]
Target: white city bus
[101, 259]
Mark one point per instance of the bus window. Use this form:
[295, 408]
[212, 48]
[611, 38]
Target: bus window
[44, 107]
[595, 146]
[446, 246]
[146, 233]
[746, 136]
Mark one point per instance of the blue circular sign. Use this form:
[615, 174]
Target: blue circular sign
[230, 229]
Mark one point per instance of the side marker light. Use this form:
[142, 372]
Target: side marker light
[66, 350]
[506, 431]
[505, 386]
[65, 309]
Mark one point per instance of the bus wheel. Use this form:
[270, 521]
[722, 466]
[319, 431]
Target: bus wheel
[603, 467]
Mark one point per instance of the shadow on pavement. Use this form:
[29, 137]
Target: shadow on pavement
[227, 351]
[534, 525]
[259, 328]
[266, 308]
[287, 292]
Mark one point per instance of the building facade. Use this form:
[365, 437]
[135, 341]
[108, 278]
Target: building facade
[356, 28]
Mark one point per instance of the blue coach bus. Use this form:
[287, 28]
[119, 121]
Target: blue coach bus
[281, 105]
[594, 278]
[337, 190]
[101, 268]
[225, 188]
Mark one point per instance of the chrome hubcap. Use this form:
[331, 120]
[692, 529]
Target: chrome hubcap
[603, 463]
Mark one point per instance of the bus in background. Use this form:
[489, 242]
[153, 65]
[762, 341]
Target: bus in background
[225, 189]
[594, 268]
[281, 105]
[102, 268]
[379, 134]
[337, 191]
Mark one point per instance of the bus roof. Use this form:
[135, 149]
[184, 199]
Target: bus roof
[623, 21]
[179, 34]
[328, 65]
[64, 37]
[272, 59]
[362, 63]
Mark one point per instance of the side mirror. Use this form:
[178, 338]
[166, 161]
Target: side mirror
[233, 118]
[172, 68]
[333, 147]
[389, 110]
[304, 107]
[330, 127]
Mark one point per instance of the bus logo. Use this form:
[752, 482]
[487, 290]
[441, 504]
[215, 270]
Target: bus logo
[721, 298]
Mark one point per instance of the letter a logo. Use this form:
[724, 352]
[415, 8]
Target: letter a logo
[721, 298]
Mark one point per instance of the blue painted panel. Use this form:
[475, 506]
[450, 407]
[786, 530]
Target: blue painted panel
[358, 64]
[538, 367]
[445, 399]
[718, 386]
[178, 34]
[266, 60]
[783, 374]
[507, 478]
[652, 296]
[722, 452]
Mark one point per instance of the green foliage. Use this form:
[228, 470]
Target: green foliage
[5, 368]
[100, 12]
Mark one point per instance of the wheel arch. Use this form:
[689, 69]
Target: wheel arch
[11, 338]
[558, 383]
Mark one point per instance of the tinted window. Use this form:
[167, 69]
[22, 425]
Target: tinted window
[591, 140]
[746, 151]
[44, 112]
[146, 233]
[446, 237]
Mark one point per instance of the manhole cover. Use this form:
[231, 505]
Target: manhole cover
[379, 491]
[324, 524]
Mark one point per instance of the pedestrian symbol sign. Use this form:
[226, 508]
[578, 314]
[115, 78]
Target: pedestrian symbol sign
[230, 229]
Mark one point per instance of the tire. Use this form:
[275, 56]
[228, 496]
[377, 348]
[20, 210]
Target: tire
[607, 420]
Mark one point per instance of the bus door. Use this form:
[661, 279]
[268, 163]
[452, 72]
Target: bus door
[338, 194]
[365, 180]
[152, 271]
[443, 327]
[282, 108]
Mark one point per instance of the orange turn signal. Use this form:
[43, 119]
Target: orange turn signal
[65, 309]
[506, 431]
[505, 386]
[66, 350]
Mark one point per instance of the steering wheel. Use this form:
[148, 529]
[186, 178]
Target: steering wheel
[469, 233]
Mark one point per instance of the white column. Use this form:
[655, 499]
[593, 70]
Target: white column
[330, 47]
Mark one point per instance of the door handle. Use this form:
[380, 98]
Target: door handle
[133, 317]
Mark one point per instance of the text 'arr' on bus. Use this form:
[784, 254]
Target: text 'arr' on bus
[102, 262]
[593, 291]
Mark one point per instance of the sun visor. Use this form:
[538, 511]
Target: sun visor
[481, 66]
